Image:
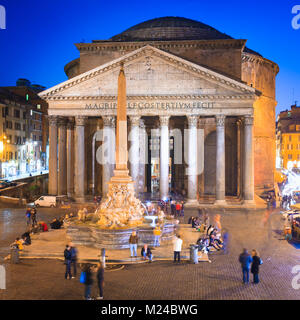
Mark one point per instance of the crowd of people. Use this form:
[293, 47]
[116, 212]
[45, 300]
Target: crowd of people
[172, 207]
[33, 226]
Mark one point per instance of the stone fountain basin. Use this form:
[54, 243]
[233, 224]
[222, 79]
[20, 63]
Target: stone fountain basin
[93, 236]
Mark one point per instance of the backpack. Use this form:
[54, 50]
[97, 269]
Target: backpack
[82, 277]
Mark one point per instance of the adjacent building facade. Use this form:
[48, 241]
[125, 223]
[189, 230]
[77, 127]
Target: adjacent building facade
[190, 87]
[23, 129]
[288, 139]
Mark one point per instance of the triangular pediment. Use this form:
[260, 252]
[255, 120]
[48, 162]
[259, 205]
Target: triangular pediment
[149, 71]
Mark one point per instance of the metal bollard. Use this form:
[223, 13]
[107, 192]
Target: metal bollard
[194, 253]
[14, 255]
[102, 257]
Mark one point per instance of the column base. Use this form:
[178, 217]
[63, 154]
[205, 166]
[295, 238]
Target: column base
[79, 199]
[220, 203]
[191, 203]
[249, 202]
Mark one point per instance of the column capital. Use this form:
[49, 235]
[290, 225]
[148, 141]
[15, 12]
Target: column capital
[62, 121]
[164, 120]
[192, 120]
[70, 123]
[52, 120]
[202, 122]
[80, 120]
[248, 120]
[109, 121]
[142, 124]
[239, 122]
[134, 120]
[220, 120]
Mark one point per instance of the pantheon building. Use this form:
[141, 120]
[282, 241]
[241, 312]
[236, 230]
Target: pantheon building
[190, 88]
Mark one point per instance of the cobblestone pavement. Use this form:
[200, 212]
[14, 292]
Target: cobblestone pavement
[44, 279]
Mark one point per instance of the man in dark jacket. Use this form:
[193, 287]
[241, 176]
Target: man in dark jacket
[88, 282]
[68, 257]
[133, 242]
[245, 260]
[73, 251]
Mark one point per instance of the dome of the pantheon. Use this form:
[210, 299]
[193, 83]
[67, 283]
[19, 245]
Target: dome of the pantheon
[171, 28]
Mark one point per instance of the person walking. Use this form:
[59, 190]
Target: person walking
[133, 242]
[74, 253]
[67, 255]
[100, 280]
[177, 248]
[245, 260]
[256, 262]
[225, 241]
[88, 282]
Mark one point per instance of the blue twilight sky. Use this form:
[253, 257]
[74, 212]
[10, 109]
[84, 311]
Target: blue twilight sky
[40, 34]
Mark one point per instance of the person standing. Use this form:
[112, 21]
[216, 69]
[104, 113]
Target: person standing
[100, 280]
[245, 260]
[74, 253]
[156, 233]
[178, 208]
[177, 248]
[33, 216]
[28, 215]
[173, 207]
[256, 262]
[182, 209]
[67, 255]
[133, 242]
[88, 282]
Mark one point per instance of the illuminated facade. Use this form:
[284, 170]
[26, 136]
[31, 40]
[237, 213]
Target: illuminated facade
[21, 132]
[288, 139]
[181, 74]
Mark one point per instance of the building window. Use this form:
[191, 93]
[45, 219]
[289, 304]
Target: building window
[17, 126]
[290, 157]
[8, 125]
[16, 113]
[290, 138]
[292, 127]
[24, 115]
[24, 127]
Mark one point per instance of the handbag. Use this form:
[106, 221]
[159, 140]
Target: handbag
[82, 277]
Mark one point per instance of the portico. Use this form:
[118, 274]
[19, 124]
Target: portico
[170, 98]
